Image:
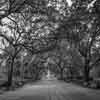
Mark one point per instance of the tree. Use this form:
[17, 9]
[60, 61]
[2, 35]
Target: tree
[11, 38]
[82, 29]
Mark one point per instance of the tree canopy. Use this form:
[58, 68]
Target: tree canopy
[70, 29]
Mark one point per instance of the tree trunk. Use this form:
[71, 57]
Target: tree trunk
[36, 75]
[86, 71]
[61, 73]
[71, 73]
[10, 73]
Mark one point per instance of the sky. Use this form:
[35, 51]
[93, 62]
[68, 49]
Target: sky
[91, 4]
[69, 2]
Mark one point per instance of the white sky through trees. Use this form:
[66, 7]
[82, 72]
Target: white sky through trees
[69, 2]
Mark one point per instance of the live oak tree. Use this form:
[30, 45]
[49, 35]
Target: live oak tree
[11, 37]
[37, 25]
[19, 13]
[82, 29]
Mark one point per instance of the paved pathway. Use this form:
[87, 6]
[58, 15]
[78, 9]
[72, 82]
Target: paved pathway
[51, 90]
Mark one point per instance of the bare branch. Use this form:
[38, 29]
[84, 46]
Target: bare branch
[4, 50]
[5, 37]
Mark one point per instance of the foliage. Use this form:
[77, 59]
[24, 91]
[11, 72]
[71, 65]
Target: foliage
[69, 29]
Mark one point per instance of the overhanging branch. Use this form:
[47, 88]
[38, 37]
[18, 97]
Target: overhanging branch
[5, 37]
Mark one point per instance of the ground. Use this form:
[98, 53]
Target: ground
[51, 90]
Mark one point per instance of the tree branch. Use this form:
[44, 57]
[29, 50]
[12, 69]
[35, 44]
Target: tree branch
[5, 37]
[95, 62]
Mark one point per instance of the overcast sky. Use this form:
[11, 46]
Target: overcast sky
[69, 3]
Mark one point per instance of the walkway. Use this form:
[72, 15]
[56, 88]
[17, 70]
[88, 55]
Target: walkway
[51, 90]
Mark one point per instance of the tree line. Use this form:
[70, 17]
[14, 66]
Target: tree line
[39, 26]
